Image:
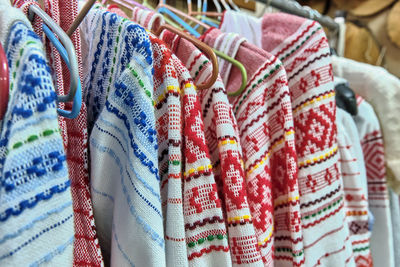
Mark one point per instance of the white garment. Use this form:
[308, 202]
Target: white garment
[352, 168]
[382, 90]
[378, 198]
[243, 24]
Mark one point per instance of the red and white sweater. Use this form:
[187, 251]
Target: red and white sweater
[264, 115]
[222, 137]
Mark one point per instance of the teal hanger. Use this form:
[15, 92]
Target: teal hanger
[67, 52]
[77, 103]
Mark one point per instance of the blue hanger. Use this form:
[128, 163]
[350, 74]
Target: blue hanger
[77, 102]
[67, 51]
[175, 17]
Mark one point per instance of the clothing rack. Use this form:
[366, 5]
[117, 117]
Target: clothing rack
[295, 8]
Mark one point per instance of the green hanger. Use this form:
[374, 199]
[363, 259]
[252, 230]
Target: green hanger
[223, 56]
[239, 66]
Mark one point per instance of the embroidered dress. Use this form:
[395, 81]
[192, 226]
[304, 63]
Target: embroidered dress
[36, 216]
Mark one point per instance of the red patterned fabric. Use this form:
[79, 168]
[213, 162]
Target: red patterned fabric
[264, 115]
[303, 48]
[168, 113]
[74, 132]
[206, 235]
[222, 136]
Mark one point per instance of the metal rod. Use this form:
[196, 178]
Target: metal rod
[292, 7]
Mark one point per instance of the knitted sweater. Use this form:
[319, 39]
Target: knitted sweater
[125, 181]
[378, 196]
[36, 217]
[86, 246]
[222, 139]
[264, 115]
[303, 48]
[355, 187]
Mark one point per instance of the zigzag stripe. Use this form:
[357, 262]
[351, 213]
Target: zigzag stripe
[288, 258]
[252, 80]
[295, 40]
[320, 160]
[289, 238]
[270, 107]
[314, 202]
[194, 61]
[209, 100]
[324, 218]
[207, 250]
[215, 219]
[164, 100]
[311, 98]
[308, 64]
[269, 148]
[289, 203]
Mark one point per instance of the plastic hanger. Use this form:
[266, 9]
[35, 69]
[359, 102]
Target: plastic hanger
[126, 3]
[240, 66]
[82, 14]
[202, 46]
[77, 103]
[211, 22]
[220, 54]
[4, 82]
[35, 10]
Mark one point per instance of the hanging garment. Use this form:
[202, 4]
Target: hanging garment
[125, 183]
[74, 132]
[264, 115]
[382, 90]
[302, 47]
[36, 216]
[374, 156]
[215, 251]
[168, 113]
[352, 168]
[202, 206]
[222, 138]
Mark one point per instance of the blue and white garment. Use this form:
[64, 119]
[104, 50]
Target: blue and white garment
[124, 174]
[36, 217]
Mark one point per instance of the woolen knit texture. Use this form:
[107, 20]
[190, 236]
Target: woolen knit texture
[36, 216]
[125, 181]
[264, 115]
[222, 139]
